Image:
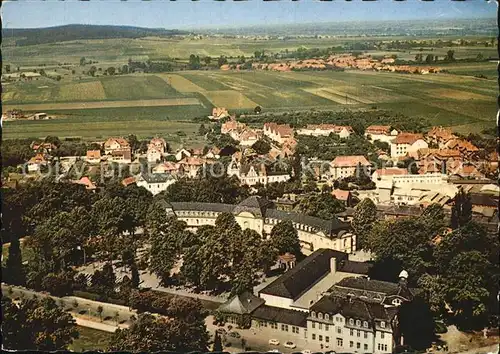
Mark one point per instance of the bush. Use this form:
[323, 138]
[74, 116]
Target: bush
[87, 295]
[440, 328]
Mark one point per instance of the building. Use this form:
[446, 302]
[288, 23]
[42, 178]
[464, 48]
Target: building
[182, 153]
[260, 215]
[344, 196]
[380, 132]
[128, 181]
[218, 113]
[36, 163]
[85, 181]
[345, 166]
[191, 166]
[93, 156]
[154, 153]
[169, 167]
[212, 153]
[156, 182]
[121, 156]
[278, 132]
[159, 143]
[407, 143]
[252, 174]
[303, 285]
[113, 144]
[439, 136]
[386, 174]
[326, 129]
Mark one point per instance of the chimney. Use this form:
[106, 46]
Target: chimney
[333, 265]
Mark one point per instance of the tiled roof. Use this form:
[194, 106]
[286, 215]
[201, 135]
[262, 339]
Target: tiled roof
[93, 154]
[366, 286]
[125, 153]
[156, 177]
[306, 273]
[241, 304]
[378, 129]
[354, 308]
[340, 194]
[128, 181]
[255, 205]
[350, 161]
[392, 171]
[122, 142]
[407, 138]
[329, 227]
[281, 315]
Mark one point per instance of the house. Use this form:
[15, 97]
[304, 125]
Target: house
[344, 196]
[212, 153]
[303, 285]
[182, 153]
[93, 156]
[121, 156]
[85, 181]
[260, 215]
[345, 166]
[439, 136]
[387, 173]
[36, 162]
[159, 143]
[278, 132]
[169, 167]
[156, 182]
[465, 147]
[218, 113]
[45, 148]
[154, 153]
[192, 165]
[252, 174]
[229, 126]
[406, 143]
[326, 129]
[247, 137]
[113, 144]
[128, 181]
[380, 132]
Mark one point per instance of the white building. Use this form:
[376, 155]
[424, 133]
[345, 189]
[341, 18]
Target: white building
[154, 153]
[407, 143]
[382, 133]
[345, 166]
[155, 183]
[278, 132]
[326, 129]
[252, 174]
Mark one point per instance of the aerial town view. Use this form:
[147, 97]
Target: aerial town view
[295, 177]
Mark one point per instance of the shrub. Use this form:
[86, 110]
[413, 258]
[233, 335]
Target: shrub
[87, 295]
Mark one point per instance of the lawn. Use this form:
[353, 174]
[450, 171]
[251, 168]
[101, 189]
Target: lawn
[91, 340]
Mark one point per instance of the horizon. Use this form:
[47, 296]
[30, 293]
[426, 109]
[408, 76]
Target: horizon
[213, 15]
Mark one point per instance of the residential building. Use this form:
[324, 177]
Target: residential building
[156, 182]
[406, 143]
[260, 215]
[345, 166]
[44, 148]
[85, 181]
[159, 143]
[113, 144]
[212, 153]
[382, 133]
[439, 136]
[386, 174]
[169, 167]
[121, 156]
[182, 153]
[154, 153]
[326, 129]
[252, 174]
[278, 132]
[93, 156]
[218, 113]
[36, 163]
[344, 196]
[128, 181]
[192, 165]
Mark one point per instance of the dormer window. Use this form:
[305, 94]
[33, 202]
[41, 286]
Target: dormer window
[351, 322]
[313, 314]
[320, 315]
[327, 317]
[365, 324]
[396, 302]
[358, 323]
[382, 324]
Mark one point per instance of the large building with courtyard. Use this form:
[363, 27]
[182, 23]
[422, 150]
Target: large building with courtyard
[260, 214]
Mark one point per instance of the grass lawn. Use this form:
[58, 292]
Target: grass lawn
[90, 340]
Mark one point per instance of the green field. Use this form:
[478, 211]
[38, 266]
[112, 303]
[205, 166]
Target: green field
[90, 340]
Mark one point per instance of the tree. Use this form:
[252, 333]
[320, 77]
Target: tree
[203, 130]
[429, 59]
[365, 215]
[416, 324]
[14, 272]
[92, 70]
[257, 110]
[104, 281]
[99, 311]
[135, 280]
[222, 60]
[419, 57]
[217, 347]
[111, 70]
[36, 325]
[207, 60]
[7, 68]
[322, 205]
[125, 69]
[461, 211]
[82, 61]
[450, 55]
[194, 62]
[261, 147]
[284, 238]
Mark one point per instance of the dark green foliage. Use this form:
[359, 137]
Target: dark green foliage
[321, 205]
[217, 343]
[461, 211]
[365, 216]
[417, 324]
[284, 238]
[14, 272]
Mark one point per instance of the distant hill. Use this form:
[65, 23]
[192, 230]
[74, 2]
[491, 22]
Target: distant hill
[30, 36]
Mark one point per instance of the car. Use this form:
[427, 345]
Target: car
[273, 351]
[274, 342]
[290, 345]
[307, 351]
[221, 331]
[234, 335]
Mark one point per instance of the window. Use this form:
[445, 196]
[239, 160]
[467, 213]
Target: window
[295, 329]
[340, 342]
[313, 336]
[382, 324]
[358, 333]
[284, 327]
[351, 322]
[351, 344]
[366, 347]
[365, 324]
[352, 332]
[385, 347]
[274, 325]
[382, 335]
[327, 339]
[313, 315]
[320, 325]
[313, 325]
[326, 327]
[358, 323]
[320, 337]
[339, 330]
[365, 334]
[327, 317]
[396, 302]
[320, 315]
[358, 345]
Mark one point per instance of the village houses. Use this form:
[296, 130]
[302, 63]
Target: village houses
[382, 133]
[343, 131]
[278, 132]
[407, 143]
[155, 182]
[345, 166]
[93, 156]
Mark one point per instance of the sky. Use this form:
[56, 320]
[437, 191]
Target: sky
[186, 14]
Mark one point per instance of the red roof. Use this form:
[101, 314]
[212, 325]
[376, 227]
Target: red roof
[128, 181]
[93, 154]
[340, 194]
[407, 138]
[350, 161]
[378, 129]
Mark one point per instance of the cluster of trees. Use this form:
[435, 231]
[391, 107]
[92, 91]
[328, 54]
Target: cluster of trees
[36, 325]
[455, 263]
[321, 205]
[218, 257]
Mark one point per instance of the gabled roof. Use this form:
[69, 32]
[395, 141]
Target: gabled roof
[378, 129]
[255, 205]
[350, 161]
[281, 315]
[93, 154]
[353, 308]
[305, 274]
[241, 304]
[329, 227]
[407, 138]
[128, 181]
[156, 177]
[365, 286]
